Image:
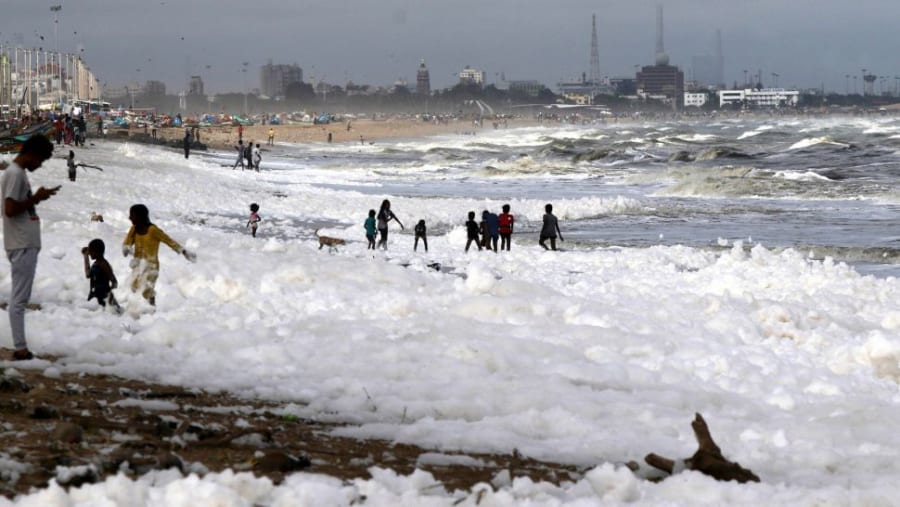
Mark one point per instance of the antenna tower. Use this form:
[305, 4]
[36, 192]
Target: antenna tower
[661, 57]
[595, 55]
[720, 60]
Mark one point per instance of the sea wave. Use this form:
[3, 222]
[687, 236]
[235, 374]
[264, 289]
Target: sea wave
[877, 254]
[801, 176]
[750, 133]
[722, 152]
[813, 141]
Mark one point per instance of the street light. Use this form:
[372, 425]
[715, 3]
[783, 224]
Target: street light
[244, 72]
[55, 10]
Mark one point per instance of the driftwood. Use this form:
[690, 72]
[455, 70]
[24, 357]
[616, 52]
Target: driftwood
[708, 459]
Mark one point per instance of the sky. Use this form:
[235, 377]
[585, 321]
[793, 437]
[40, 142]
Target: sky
[592, 356]
[808, 43]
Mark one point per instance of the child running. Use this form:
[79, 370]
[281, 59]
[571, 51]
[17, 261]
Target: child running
[253, 223]
[370, 229]
[143, 241]
[103, 280]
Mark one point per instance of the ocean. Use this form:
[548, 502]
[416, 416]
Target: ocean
[828, 187]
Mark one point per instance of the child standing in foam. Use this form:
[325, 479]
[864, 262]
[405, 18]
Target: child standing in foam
[253, 222]
[420, 233]
[103, 280]
[70, 163]
[472, 231]
[370, 229]
[507, 221]
[550, 229]
[143, 241]
[385, 215]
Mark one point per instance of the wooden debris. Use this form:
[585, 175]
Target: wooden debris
[708, 459]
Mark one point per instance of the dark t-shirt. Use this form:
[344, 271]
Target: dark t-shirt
[550, 226]
[472, 229]
[100, 283]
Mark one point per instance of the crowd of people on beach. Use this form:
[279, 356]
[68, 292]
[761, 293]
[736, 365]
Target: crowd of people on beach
[22, 235]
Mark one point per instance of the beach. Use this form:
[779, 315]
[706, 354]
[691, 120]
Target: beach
[364, 131]
[744, 269]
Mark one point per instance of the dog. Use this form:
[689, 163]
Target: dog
[96, 217]
[332, 243]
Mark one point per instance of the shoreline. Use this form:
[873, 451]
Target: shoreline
[363, 131]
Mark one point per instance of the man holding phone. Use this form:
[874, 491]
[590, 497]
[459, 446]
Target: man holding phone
[22, 231]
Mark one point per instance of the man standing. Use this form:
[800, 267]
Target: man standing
[22, 232]
[188, 139]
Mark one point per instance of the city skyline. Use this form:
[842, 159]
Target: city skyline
[806, 44]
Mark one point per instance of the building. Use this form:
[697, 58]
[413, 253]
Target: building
[661, 80]
[695, 99]
[471, 76]
[5, 81]
[423, 81]
[586, 87]
[155, 88]
[581, 99]
[274, 79]
[530, 88]
[195, 87]
[762, 98]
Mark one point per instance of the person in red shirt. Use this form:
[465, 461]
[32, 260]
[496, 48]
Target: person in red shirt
[507, 222]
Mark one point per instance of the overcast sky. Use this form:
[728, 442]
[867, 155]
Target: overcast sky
[808, 43]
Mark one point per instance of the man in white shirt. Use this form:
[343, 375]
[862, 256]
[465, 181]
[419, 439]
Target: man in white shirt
[22, 231]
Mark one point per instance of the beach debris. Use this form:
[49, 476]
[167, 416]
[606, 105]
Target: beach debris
[279, 461]
[707, 460]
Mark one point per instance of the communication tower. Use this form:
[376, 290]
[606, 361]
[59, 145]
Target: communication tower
[595, 56]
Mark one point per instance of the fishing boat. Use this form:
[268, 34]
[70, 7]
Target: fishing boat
[13, 143]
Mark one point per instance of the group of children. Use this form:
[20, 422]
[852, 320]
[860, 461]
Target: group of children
[485, 234]
[142, 242]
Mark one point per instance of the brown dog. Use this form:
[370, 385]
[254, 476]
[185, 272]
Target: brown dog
[96, 217]
[332, 243]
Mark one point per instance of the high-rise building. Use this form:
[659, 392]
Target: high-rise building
[274, 79]
[423, 81]
[661, 79]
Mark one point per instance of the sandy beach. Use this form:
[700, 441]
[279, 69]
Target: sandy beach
[361, 130]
